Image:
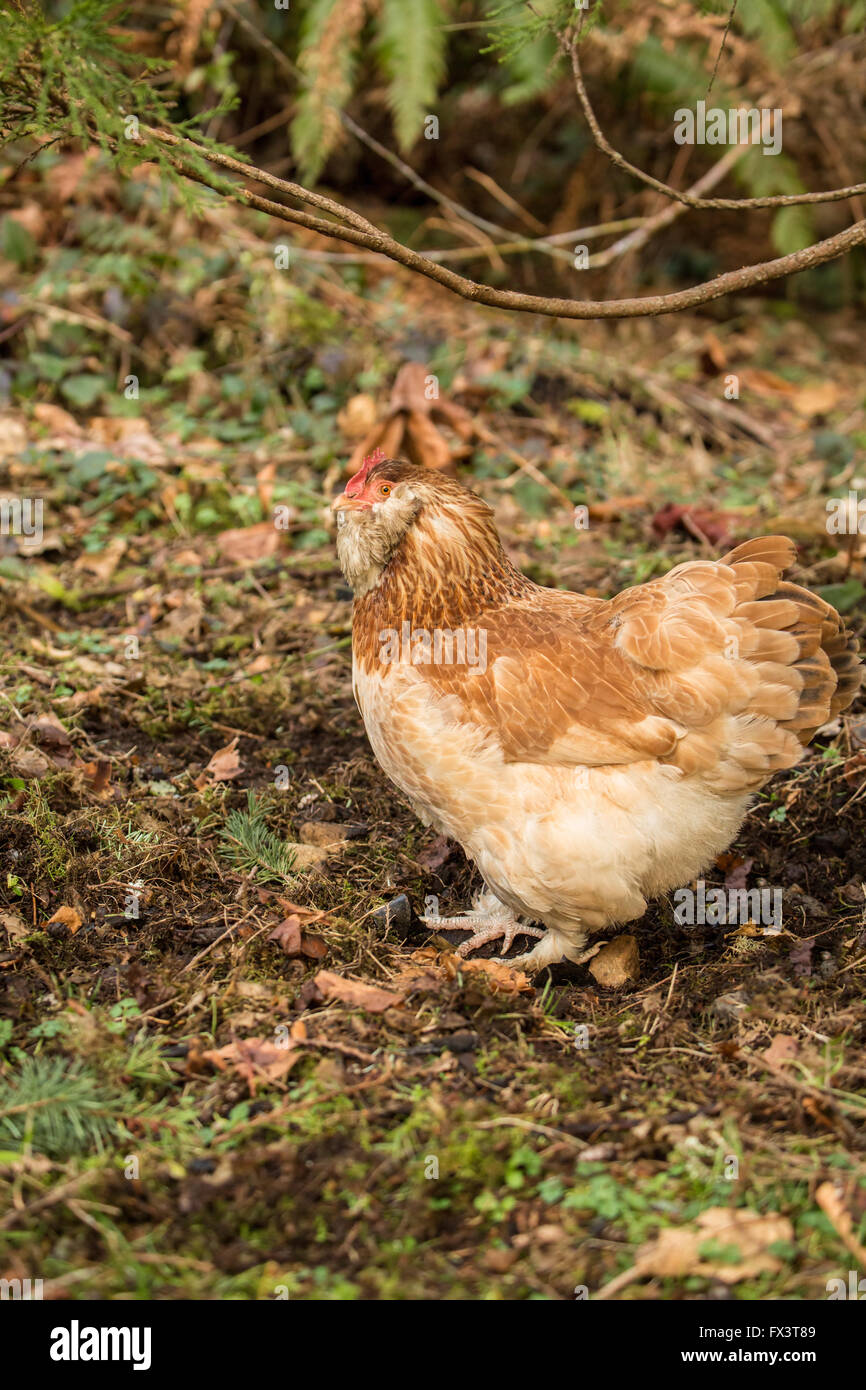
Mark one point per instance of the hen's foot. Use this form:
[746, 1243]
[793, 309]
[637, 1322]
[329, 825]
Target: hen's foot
[489, 921]
[552, 949]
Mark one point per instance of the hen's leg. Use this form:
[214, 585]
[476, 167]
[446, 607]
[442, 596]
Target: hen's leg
[488, 921]
[554, 948]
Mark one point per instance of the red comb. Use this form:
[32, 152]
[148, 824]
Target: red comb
[356, 484]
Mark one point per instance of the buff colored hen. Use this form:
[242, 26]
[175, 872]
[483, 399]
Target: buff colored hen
[587, 754]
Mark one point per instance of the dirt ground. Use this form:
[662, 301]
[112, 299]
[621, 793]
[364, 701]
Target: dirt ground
[226, 1071]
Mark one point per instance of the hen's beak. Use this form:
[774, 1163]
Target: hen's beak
[345, 503]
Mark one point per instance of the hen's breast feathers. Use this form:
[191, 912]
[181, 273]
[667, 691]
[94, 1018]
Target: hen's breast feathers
[720, 669]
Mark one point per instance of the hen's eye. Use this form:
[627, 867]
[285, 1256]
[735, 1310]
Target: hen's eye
[385, 490]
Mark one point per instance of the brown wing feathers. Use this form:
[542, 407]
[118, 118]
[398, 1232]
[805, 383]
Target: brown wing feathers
[827, 659]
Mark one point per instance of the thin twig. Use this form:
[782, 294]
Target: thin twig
[569, 43]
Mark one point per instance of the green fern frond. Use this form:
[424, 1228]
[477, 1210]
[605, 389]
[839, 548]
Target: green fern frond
[766, 20]
[412, 44]
[57, 1107]
[251, 845]
[328, 56]
[74, 77]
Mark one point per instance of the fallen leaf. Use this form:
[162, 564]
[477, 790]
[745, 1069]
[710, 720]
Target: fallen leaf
[307, 915]
[13, 437]
[57, 420]
[287, 935]
[783, 1048]
[800, 956]
[102, 563]
[313, 947]
[735, 869]
[410, 426]
[225, 764]
[311, 856]
[50, 733]
[829, 1199]
[434, 855]
[699, 523]
[67, 917]
[254, 1059]
[765, 383]
[503, 978]
[257, 667]
[358, 416]
[30, 764]
[682, 1250]
[424, 444]
[713, 357]
[815, 400]
[355, 993]
[246, 545]
[678, 1251]
[15, 926]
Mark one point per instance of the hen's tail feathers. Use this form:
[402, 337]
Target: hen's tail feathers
[778, 610]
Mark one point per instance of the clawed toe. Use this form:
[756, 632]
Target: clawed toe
[485, 927]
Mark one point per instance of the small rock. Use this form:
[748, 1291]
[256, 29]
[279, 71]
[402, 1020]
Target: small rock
[396, 914]
[310, 856]
[30, 763]
[618, 963]
[729, 1005]
[324, 834]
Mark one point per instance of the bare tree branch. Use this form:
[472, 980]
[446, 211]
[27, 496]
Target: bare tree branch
[374, 240]
[668, 214]
[569, 43]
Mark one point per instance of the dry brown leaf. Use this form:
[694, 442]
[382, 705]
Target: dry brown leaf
[677, 1251]
[503, 978]
[681, 1251]
[30, 764]
[246, 545]
[225, 764]
[257, 667]
[765, 383]
[50, 733]
[358, 416]
[410, 427]
[307, 915]
[783, 1048]
[355, 992]
[183, 621]
[15, 926]
[817, 399]
[265, 479]
[56, 419]
[255, 1059]
[103, 564]
[13, 437]
[67, 917]
[287, 935]
[829, 1199]
[424, 444]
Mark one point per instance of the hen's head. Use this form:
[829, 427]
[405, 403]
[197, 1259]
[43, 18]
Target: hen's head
[390, 505]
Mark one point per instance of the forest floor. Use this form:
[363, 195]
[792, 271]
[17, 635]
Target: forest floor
[224, 1072]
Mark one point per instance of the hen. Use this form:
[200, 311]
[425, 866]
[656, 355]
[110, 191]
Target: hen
[587, 754]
